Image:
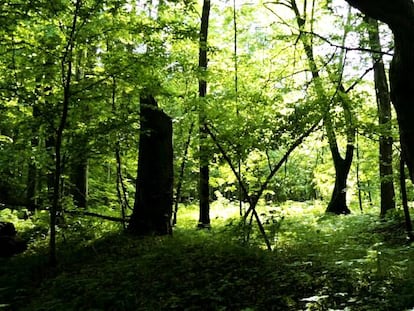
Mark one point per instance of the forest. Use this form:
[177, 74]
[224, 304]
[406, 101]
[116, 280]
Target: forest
[206, 155]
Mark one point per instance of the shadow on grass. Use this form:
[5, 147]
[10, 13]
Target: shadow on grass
[210, 270]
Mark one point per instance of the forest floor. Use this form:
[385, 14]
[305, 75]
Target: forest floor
[318, 262]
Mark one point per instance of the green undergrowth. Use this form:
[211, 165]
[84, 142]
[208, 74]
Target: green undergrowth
[318, 262]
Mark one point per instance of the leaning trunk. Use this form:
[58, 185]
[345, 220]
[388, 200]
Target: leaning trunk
[342, 165]
[337, 203]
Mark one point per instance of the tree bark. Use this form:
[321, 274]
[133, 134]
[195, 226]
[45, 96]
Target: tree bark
[342, 165]
[337, 204]
[399, 16]
[384, 119]
[204, 191]
[154, 186]
[66, 63]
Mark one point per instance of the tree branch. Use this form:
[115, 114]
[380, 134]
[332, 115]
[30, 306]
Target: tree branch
[84, 213]
[346, 48]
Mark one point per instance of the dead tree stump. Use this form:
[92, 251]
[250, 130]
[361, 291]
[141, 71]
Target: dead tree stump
[154, 187]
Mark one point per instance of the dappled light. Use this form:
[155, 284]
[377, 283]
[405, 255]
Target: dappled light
[318, 262]
[229, 155]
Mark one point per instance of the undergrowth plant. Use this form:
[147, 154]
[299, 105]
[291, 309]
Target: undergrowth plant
[319, 262]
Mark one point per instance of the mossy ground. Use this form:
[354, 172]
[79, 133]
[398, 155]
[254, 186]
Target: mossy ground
[319, 262]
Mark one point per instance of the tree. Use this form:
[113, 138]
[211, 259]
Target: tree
[264, 94]
[342, 165]
[399, 16]
[154, 188]
[67, 62]
[254, 197]
[384, 120]
[204, 191]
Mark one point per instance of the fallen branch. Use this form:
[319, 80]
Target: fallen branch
[84, 213]
[255, 198]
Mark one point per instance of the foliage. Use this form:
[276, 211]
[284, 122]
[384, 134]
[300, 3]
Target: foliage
[123, 49]
[320, 262]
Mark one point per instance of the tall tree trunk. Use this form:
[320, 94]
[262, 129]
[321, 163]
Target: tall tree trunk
[384, 119]
[342, 165]
[204, 157]
[67, 78]
[338, 204]
[399, 15]
[154, 187]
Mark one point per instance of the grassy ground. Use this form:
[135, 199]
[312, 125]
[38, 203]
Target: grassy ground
[319, 262]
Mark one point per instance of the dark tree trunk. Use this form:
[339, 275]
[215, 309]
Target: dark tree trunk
[399, 15]
[384, 119]
[154, 187]
[204, 196]
[67, 74]
[337, 204]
